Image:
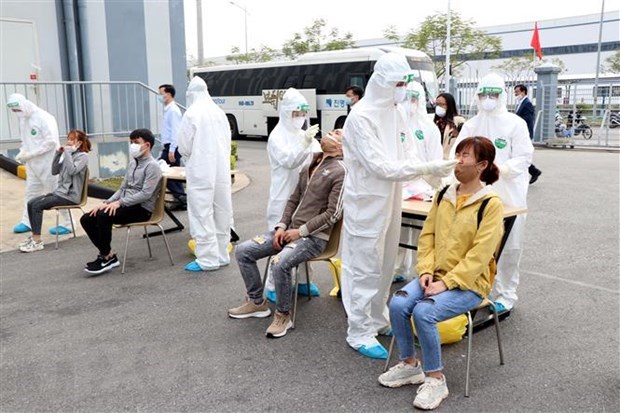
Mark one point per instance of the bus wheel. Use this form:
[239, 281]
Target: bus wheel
[234, 130]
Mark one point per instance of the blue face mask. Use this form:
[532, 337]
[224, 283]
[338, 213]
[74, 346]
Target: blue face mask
[160, 99]
[348, 101]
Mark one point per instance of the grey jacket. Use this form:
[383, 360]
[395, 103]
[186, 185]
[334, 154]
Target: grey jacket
[141, 185]
[316, 203]
[70, 173]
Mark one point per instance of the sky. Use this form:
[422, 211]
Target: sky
[273, 22]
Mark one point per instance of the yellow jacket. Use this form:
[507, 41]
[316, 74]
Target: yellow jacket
[453, 248]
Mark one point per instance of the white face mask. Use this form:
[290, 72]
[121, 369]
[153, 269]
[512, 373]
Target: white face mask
[20, 114]
[439, 111]
[489, 104]
[70, 148]
[299, 122]
[135, 150]
[400, 94]
[412, 108]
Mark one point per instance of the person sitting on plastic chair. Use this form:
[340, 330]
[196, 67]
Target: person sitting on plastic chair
[69, 164]
[455, 260]
[314, 206]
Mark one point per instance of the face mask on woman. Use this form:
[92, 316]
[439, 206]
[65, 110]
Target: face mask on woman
[439, 111]
[70, 148]
[299, 122]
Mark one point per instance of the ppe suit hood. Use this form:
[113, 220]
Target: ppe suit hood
[291, 101]
[491, 83]
[415, 88]
[197, 91]
[390, 69]
[19, 101]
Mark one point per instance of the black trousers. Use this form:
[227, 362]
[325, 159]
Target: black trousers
[99, 227]
[37, 205]
[175, 187]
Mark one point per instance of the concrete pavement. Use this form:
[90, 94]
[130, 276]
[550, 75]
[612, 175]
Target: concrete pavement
[158, 339]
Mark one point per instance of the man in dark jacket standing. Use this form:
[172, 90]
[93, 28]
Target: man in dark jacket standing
[311, 211]
[525, 110]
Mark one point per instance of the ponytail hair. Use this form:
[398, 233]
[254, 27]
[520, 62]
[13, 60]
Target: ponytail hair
[483, 151]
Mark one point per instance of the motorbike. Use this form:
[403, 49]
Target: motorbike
[580, 125]
[614, 120]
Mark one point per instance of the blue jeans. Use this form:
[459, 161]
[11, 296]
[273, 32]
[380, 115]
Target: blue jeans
[293, 254]
[427, 312]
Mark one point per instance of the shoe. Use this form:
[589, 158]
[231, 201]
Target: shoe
[270, 295]
[60, 229]
[280, 325]
[91, 263]
[387, 331]
[402, 374]
[302, 289]
[535, 176]
[25, 242]
[399, 278]
[195, 267]
[21, 228]
[32, 246]
[431, 393]
[102, 265]
[374, 352]
[501, 308]
[250, 309]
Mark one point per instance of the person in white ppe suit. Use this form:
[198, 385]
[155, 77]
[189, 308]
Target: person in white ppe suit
[514, 151]
[289, 149]
[376, 164]
[39, 136]
[422, 143]
[204, 142]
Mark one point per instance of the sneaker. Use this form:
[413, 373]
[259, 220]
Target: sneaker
[25, 242]
[402, 374]
[93, 263]
[102, 265]
[250, 309]
[280, 325]
[32, 246]
[431, 393]
[535, 176]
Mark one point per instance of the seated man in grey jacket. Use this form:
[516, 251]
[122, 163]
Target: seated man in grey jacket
[133, 202]
[302, 233]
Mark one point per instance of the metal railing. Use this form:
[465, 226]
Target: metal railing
[98, 108]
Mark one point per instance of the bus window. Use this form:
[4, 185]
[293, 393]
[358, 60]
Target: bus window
[308, 82]
[291, 81]
[357, 80]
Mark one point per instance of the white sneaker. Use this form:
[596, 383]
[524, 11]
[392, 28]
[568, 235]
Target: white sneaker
[32, 246]
[431, 393]
[25, 242]
[402, 374]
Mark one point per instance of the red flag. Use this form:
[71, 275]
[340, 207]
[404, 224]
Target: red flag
[535, 42]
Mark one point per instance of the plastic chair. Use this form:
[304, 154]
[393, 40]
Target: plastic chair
[82, 203]
[486, 303]
[331, 249]
[156, 217]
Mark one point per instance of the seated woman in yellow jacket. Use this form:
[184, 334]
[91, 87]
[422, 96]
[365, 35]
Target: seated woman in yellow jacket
[454, 256]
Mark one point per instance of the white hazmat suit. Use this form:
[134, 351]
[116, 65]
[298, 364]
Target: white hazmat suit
[376, 165]
[514, 151]
[289, 149]
[422, 142]
[39, 136]
[204, 141]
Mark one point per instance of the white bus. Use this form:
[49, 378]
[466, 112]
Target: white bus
[250, 93]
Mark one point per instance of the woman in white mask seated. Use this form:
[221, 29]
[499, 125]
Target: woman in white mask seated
[448, 121]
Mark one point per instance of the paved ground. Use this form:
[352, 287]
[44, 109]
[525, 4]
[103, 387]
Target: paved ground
[157, 339]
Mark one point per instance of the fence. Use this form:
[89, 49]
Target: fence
[106, 111]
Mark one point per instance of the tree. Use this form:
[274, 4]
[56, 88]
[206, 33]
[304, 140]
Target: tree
[466, 42]
[263, 54]
[613, 63]
[390, 33]
[314, 39]
[518, 68]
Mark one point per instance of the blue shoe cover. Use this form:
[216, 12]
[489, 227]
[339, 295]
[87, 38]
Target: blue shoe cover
[60, 229]
[193, 267]
[270, 295]
[21, 228]
[499, 307]
[374, 352]
[302, 289]
[399, 279]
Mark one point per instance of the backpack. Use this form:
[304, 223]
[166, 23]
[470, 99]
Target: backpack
[480, 210]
